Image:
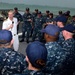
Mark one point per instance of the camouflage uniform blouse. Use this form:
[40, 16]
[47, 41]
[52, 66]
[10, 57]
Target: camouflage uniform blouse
[11, 62]
[31, 72]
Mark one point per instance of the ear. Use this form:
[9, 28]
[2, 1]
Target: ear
[65, 33]
[48, 36]
[12, 41]
[27, 59]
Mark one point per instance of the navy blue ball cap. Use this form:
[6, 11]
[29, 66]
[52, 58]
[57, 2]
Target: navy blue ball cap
[15, 8]
[27, 9]
[36, 9]
[61, 19]
[51, 29]
[69, 28]
[39, 12]
[37, 52]
[5, 36]
[73, 16]
[47, 11]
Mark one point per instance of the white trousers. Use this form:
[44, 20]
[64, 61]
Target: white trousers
[16, 42]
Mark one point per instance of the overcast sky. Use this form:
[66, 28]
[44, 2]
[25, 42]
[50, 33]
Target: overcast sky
[62, 3]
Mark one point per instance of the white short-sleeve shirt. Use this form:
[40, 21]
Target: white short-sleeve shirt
[8, 22]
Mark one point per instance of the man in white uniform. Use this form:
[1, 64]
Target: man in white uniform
[11, 25]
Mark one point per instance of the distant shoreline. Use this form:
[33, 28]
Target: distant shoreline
[37, 5]
[41, 8]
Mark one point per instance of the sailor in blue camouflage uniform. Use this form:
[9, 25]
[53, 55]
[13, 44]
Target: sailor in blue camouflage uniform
[27, 25]
[34, 14]
[18, 16]
[61, 22]
[70, 29]
[36, 56]
[69, 46]
[73, 23]
[50, 19]
[46, 15]
[39, 21]
[11, 62]
[60, 60]
[73, 20]
[55, 53]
